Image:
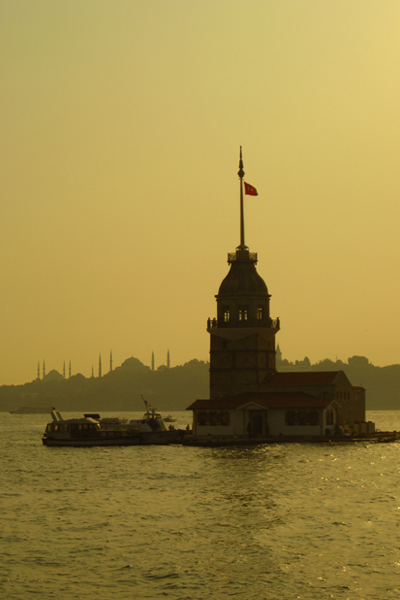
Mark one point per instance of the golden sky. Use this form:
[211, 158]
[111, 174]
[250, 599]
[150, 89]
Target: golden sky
[121, 122]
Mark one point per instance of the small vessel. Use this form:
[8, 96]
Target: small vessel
[169, 419]
[92, 430]
[31, 410]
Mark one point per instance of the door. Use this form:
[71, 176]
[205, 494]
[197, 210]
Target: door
[257, 422]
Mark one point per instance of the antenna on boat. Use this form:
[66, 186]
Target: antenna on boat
[146, 405]
[56, 415]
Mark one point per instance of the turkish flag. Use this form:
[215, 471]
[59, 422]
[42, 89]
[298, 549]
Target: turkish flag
[250, 190]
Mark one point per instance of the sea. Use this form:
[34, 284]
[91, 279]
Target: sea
[276, 522]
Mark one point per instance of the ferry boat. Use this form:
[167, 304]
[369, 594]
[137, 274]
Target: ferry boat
[92, 431]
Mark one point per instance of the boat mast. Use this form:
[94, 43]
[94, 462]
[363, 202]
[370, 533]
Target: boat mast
[146, 405]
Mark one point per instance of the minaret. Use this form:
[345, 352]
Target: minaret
[38, 370]
[44, 370]
[278, 355]
[100, 370]
[152, 361]
[69, 370]
[111, 361]
[168, 360]
[242, 337]
[64, 369]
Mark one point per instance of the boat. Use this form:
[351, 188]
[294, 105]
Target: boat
[91, 430]
[31, 410]
[169, 419]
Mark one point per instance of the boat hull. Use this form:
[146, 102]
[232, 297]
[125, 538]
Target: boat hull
[140, 439]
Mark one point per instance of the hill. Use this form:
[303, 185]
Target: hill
[175, 388]
[166, 389]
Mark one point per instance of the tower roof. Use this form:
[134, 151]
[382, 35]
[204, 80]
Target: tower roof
[243, 278]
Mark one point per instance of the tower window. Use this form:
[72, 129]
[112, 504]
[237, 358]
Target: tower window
[260, 313]
[227, 314]
[243, 313]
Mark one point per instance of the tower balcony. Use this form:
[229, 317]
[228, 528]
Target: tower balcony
[242, 255]
[214, 323]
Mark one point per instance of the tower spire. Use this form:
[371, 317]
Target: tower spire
[241, 175]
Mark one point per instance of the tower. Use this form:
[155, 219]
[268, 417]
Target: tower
[44, 370]
[100, 367]
[111, 361]
[152, 361]
[242, 337]
[168, 360]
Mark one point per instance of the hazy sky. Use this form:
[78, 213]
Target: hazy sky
[121, 122]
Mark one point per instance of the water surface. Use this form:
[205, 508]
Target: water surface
[273, 522]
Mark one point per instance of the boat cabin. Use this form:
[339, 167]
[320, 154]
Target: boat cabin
[73, 428]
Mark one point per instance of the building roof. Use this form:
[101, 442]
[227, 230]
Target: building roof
[300, 378]
[266, 400]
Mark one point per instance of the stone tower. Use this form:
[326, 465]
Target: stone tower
[242, 337]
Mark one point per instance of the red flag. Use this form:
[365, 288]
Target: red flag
[249, 189]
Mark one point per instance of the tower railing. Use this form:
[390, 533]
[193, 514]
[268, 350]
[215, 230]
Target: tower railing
[271, 324]
[242, 255]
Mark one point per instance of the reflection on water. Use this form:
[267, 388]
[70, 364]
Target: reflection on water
[278, 521]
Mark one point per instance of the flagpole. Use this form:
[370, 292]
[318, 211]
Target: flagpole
[241, 175]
